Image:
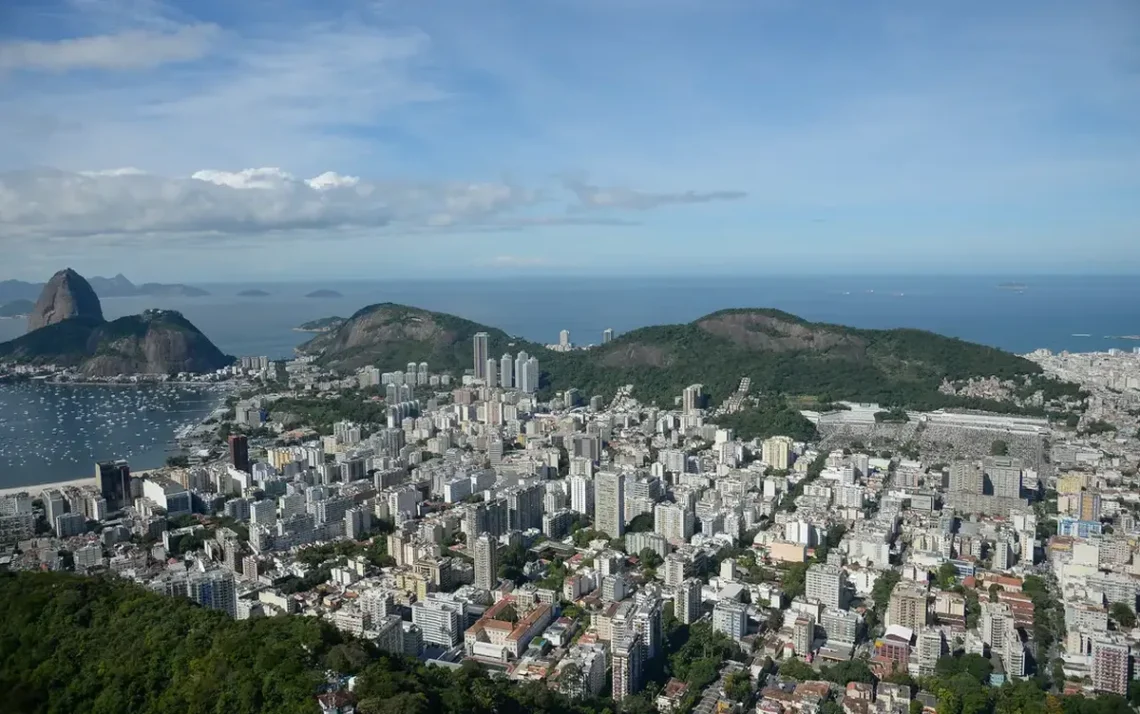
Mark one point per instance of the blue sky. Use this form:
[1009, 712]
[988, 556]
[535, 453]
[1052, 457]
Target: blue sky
[460, 137]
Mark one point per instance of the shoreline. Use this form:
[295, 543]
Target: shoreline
[36, 489]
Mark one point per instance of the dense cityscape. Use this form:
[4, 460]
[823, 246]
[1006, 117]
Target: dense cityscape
[898, 561]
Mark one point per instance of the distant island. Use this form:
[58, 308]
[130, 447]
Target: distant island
[1012, 286]
[324, 294]
[253, 293]
[15, 309]
[324, 324]
[118, 286]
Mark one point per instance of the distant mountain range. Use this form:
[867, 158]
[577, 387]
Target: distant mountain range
[118, 286]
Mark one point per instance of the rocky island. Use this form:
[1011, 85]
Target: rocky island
[324, 294]
[66, 329]
[253, 293]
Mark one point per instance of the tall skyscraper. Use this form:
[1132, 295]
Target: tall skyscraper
[674, 521]
[609, 503]
[628, 661]
[520, 366]
[480, 345]
[486, 562]
[687, 601]
[113, 479]
[507, 372]
[564, 339]
[607, 335]
[582, 494]
[492, 372]
[692, 398]
[239, 452]
[776, 452]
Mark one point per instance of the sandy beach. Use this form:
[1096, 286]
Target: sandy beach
[34, 490]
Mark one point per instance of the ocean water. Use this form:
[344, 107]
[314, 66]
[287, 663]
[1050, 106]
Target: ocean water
[51, 432]
[60, 436]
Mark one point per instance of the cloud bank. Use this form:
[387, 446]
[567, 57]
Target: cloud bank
[257, 201]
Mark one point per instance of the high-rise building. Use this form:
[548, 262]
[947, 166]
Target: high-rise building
[524, 507]
[55, 505]
[826, 583]
[564, 339]
[628, 664]
[526, 373]
[692, 398]
[507, 372]
[776, 451]
[239, 452]
[113, 479]
[803, 635]
[731, 618]
[687, 601]
[609, 503]
[1004, 475]
[1089, 507]
[582, 494]
[480, 345]
[907, 606]
[674, 521]
[607, 335]
[1110, 667]
[441, 618]
[492, 372]
[966, 477]
[486, 562]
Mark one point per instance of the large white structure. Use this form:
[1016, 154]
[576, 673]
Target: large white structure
[609, 503]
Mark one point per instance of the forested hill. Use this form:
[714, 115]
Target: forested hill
[75, 645]
[782, 354]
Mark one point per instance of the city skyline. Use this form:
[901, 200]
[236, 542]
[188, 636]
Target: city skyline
[675, 136]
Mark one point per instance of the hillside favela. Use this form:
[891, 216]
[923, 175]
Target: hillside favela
[548, 357]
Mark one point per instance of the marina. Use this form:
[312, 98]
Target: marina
[56, 432]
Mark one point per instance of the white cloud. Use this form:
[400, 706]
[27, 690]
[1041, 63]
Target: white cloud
[130, 50]
[591, 196]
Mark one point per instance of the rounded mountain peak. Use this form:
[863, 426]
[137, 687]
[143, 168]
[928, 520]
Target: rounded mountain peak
[66, 296]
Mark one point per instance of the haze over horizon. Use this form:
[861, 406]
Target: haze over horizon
[220, 142]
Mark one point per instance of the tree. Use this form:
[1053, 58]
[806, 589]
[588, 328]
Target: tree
[884, 586]
[947, 576]
[1122, 615]
[797, 669]
[649, 558]
[738, 686]
[999, 447]
[641, 523]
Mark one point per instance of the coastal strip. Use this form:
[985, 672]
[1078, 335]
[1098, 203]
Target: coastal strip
[36, 489]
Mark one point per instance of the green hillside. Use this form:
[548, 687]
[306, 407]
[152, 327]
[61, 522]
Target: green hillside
[781, 353]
